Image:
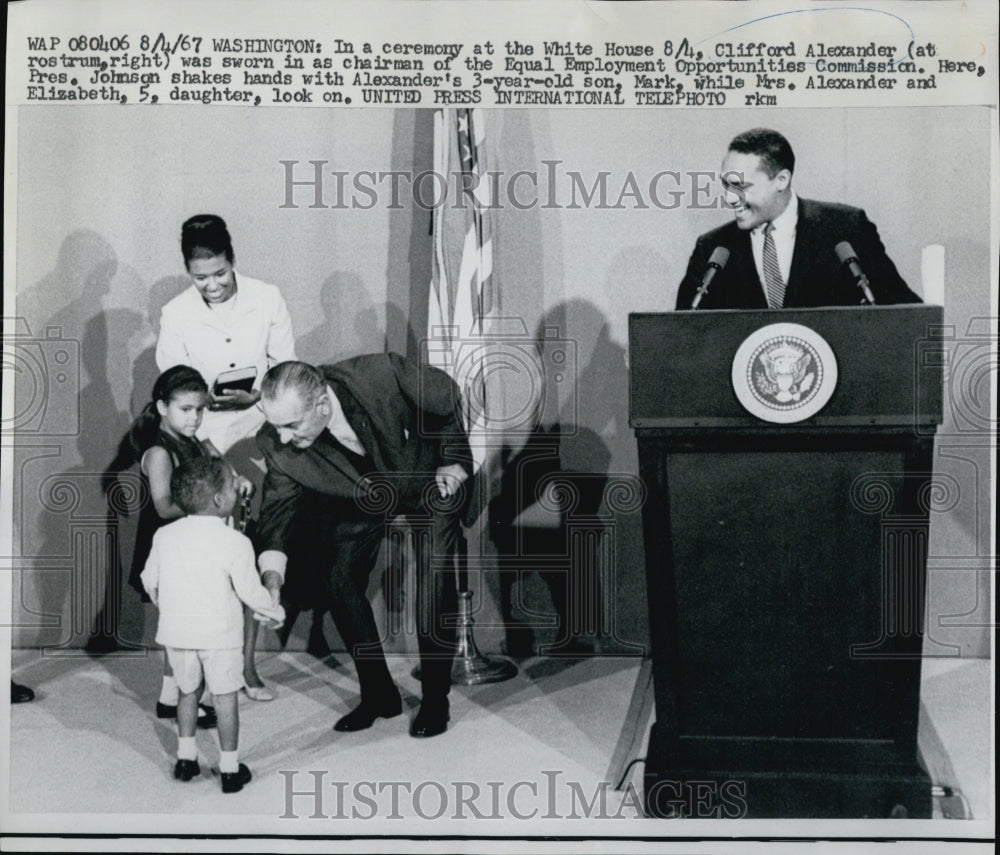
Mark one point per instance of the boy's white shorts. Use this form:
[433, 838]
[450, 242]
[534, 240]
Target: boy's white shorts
[222, 669]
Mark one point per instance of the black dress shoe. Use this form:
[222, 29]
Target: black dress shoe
[364, 714]
[206, 714]
[431, 720]
[20, 694]
[570, 648]
[318, 645]
[99, 645]
[520, 642]
[185, 770]
[232, 782]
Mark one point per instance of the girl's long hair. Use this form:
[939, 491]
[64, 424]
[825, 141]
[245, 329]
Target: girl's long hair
[146, 428]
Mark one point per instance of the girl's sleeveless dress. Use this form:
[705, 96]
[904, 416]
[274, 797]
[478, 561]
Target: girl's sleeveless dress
[180, 450]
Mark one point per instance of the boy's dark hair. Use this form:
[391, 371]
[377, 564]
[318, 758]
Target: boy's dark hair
[195, 483]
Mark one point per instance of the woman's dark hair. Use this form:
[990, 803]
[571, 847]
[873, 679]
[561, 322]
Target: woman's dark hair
[205, 236]
[146, 428]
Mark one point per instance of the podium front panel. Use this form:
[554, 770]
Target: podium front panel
[786, 563]
[771, 599]
[889, 362]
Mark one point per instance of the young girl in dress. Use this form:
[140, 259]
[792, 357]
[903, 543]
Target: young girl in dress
[163, 437]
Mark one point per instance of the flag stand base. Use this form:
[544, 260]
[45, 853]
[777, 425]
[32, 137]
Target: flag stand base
[472, 668]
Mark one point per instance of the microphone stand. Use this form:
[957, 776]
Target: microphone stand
[470, 667]
[716, 261]
[868, 297]
[698, 295]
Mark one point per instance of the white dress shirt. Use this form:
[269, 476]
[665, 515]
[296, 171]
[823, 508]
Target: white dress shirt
[340, 427]
[784, 240]
[198, 572]
[253, 327]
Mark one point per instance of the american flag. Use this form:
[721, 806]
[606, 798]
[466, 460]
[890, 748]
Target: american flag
[461, 304]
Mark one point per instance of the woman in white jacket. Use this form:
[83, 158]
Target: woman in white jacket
[226, 322]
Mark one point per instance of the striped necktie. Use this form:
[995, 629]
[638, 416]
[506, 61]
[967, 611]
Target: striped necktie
[773, 283]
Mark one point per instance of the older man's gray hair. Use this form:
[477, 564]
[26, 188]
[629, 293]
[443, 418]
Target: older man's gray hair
[300, 377]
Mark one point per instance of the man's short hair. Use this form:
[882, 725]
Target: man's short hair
[195, 483]
[773, 149]
[304, 379]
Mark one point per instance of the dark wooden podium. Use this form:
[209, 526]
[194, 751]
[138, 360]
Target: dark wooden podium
[786, 567]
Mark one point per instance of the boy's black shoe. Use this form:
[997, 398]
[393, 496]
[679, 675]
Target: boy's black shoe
[206, 714]
[232, 782]
[185, 770]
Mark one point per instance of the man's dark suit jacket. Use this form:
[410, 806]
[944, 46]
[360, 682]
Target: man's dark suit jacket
[405, 417]
[816, 278]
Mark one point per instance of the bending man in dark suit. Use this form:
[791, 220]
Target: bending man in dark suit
[796, 265]
[348, 447]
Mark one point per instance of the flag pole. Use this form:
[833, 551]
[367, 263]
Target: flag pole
[463, 313]
[472, 668]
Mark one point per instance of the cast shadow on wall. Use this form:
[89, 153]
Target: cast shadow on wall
[123, 622]
[557, 513]
[72, 545]
[350, 324]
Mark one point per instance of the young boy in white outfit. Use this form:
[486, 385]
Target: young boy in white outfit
[198, 572]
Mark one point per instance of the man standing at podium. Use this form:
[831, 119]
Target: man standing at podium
[782, 251]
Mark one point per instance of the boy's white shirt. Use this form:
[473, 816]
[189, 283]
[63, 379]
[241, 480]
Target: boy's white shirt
[198, 573]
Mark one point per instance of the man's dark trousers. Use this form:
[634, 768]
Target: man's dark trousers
[340, 558]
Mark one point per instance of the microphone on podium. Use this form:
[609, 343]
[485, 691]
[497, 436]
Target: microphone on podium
[846, 254]
[717, 261]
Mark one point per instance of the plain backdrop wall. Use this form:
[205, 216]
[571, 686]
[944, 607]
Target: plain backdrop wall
[102, 193]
